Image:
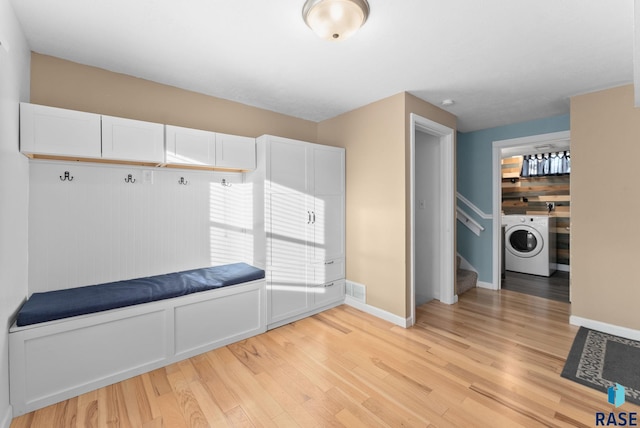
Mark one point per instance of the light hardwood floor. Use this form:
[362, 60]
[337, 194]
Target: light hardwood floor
[492, 360]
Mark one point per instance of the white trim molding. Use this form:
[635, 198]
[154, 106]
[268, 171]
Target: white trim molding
[560, 267]
[473, 207]
[466, 219]
[447, 206]
[604, 327]
[378, 313]
[8, 416]
[487, 285]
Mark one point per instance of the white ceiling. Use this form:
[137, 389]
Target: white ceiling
[502, 61]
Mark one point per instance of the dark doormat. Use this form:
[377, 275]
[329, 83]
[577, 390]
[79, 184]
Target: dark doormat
[600, 360]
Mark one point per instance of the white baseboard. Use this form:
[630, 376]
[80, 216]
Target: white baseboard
[8, 416]
[487, 285]
[379, 313]
[604, 327]
[560, 267]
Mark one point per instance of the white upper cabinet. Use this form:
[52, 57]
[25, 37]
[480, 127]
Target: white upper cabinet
[52, 131]
[233, 151]
[328, 170]
[132, 140]
[287, 166]
[56, 131]
[188, 146]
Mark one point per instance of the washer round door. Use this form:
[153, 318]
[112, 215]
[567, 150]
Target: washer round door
[524, 241]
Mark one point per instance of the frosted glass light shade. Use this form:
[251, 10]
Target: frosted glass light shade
[335, 19]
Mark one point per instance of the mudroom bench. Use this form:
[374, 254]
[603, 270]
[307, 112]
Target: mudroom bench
[68, 342]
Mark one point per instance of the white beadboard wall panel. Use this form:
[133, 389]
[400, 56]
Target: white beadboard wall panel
[98, 228]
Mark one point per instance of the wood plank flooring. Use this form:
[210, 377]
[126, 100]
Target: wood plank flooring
[492, 360]
[555, 287]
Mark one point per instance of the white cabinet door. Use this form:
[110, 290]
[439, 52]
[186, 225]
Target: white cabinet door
[287, 169]
[233, 151]
[188, 146]
[286, 296]
[328, 170]
[132, 140]
[55, 131]
[327, 241]
[327, 204]
[328, 293]
[288, 223]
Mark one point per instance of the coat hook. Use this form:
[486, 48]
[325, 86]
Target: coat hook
[66, 177]
[183, 181]
[129, 179]
[225, 183]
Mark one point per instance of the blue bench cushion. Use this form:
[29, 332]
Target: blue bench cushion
[58, 304]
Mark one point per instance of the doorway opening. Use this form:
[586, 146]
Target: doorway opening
[528, 201]
[432, 213]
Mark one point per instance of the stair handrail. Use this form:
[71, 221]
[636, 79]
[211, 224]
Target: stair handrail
[466, 219]
[473, 207]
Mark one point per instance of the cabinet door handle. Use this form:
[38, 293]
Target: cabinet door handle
[308, 217]
[329, 285]
[314, 217]
[329, 263]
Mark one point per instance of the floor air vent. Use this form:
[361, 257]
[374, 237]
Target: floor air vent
[357, 291]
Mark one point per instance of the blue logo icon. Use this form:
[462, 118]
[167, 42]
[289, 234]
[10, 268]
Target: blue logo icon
[616, 395]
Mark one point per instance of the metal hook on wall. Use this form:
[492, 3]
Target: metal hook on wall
[183, 181]
[129, 179]
[225, 183]
[66, 177]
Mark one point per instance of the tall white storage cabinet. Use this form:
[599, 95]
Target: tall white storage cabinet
[299, 190]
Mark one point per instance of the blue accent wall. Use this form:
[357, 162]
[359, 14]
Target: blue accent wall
[474, 183]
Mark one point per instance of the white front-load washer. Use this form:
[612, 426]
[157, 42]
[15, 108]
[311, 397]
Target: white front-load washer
[530, 244]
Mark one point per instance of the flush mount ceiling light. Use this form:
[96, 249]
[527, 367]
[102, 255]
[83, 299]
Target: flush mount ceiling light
[335, 19]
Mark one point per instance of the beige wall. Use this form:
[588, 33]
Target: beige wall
[59, 83]
[605, 148]
[373, 137]
[415, 105]
[376, 138]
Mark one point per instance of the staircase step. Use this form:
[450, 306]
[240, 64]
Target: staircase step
[465, 280]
